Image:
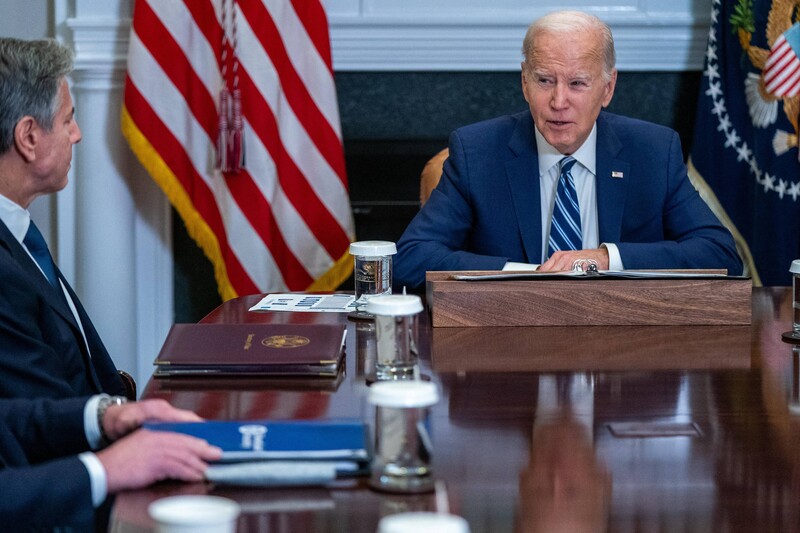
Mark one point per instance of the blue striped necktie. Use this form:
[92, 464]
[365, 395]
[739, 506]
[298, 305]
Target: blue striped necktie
[38, 248]
[565, 228]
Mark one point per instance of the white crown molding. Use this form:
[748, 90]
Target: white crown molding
[359, 46]
[100, 43]
[475, 35]
[370, 41]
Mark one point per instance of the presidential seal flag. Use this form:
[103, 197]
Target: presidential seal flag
[231, 107]
[744, 157]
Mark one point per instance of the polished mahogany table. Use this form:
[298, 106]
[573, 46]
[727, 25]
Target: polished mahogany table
[629, 429]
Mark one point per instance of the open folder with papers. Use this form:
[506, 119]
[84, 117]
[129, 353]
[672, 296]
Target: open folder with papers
[598, 274]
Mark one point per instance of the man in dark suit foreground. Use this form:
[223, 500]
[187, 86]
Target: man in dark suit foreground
[50, 480]
[496, 202]
[48, 345]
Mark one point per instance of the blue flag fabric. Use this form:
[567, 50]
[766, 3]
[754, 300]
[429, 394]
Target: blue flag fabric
[746, 140]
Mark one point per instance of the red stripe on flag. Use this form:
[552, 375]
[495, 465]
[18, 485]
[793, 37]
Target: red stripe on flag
[312, 15]
[295, 91]
[252, 203]
[167, 53]
[297, 189]
[259, 213]
[175, 157]
[205, 17]
[779, 49]
[781, 79]
[776, 68]
[794, 86]
[267, 235]
[789, 85]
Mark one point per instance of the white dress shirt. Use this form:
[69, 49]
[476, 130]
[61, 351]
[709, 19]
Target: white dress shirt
[584, 174]
[97, 474]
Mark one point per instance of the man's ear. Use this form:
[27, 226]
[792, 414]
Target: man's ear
[609, 90]
[524, 83]
[26, 137]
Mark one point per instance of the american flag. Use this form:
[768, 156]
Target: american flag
[283, 222]
[782, 70]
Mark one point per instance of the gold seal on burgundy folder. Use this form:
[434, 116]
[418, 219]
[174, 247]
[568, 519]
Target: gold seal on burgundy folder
[252, 349]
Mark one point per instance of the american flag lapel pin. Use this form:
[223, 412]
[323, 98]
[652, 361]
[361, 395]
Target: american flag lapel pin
[616, 174]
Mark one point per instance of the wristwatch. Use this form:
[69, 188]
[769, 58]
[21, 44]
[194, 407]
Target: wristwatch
[102, 406]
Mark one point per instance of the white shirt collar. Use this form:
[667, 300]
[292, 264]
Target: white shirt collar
[586, 155]
[15, 217]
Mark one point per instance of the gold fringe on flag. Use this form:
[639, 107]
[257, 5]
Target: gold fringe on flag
[711, 200]
[195, 224]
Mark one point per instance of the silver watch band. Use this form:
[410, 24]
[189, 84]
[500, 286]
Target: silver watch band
[102, 406]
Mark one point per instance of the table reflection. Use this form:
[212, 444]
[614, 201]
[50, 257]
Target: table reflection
[521, 434]
[564, 487]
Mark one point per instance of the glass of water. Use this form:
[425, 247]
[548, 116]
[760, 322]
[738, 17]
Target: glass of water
[403, 447]
[396, 335]
[372, 268]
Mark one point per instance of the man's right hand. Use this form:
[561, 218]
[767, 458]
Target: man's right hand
[119, 420]
[563, 261]
[144, 457]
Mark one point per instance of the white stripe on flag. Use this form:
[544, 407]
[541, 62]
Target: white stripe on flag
[293, 135]
[293, 220]
[169, 105]
[305, 58]
[183, 28]
[300, 240]
[294, 229]
[782, 69]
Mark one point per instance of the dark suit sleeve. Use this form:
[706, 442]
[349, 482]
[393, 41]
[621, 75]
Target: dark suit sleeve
[43, 483]
[47, 496]
[436, 238]
[32, 431]
[693, 237]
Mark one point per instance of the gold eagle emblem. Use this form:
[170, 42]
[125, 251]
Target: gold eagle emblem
[285, 341]
[763, 105]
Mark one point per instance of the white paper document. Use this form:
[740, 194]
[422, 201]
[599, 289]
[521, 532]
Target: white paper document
[307, 303]
[607, 274]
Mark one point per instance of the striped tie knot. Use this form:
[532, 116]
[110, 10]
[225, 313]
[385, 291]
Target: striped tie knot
[566, 165]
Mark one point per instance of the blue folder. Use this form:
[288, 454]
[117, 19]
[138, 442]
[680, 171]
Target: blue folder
[335, 440]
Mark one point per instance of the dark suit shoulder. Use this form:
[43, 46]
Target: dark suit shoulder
[491, 137]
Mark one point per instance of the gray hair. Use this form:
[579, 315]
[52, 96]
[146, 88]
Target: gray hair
[573, 22]
[30, 78]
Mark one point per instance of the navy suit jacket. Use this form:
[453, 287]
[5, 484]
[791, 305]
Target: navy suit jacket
[43, 483]
[42, 351]
[486, 209]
